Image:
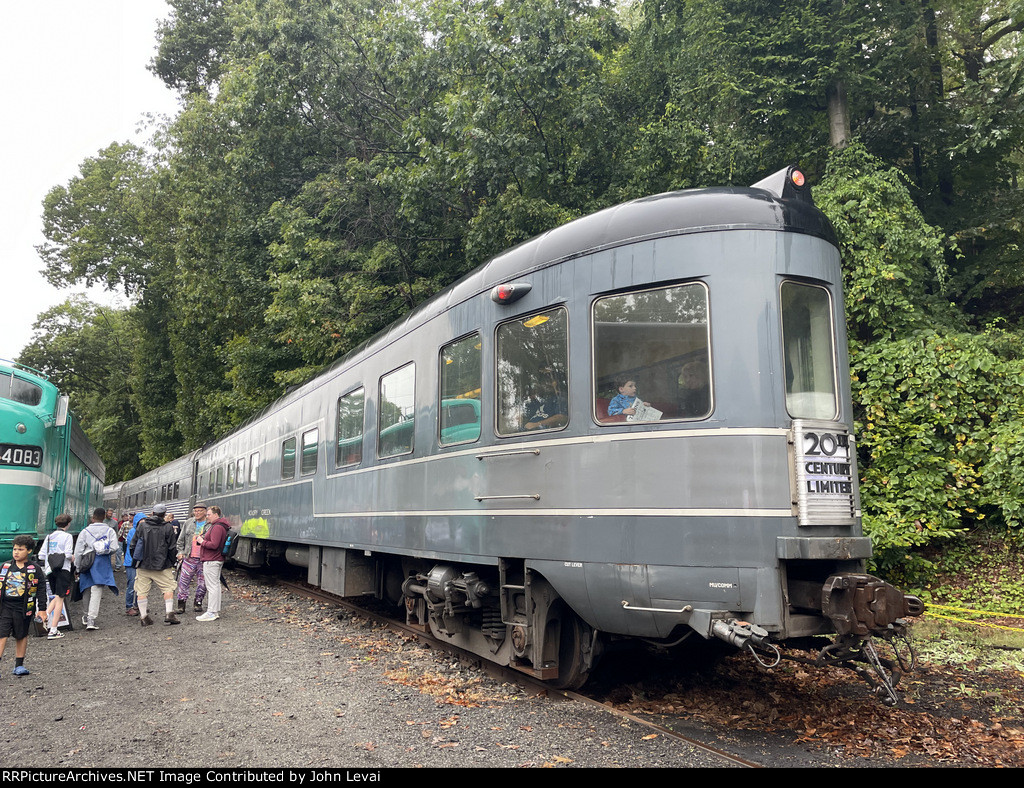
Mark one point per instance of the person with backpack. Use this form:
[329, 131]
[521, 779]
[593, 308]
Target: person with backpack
[211, 554]
[55, 557]
[22, 597]
[97, 544]
[154, 551]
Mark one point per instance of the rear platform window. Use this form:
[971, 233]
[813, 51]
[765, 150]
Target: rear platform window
[808, 351]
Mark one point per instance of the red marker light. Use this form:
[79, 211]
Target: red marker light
[797, 177]
[507, 293]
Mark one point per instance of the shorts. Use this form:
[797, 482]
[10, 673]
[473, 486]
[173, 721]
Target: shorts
[164, 579]
[13, 622]
[61, 582]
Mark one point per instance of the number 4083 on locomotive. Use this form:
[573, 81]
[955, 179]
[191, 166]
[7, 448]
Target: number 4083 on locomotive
[637, 425]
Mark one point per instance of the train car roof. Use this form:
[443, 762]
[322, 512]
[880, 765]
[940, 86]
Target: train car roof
[83, 449]
[170, 469]
[772, 204]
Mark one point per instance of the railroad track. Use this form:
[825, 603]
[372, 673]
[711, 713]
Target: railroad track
[500, 672]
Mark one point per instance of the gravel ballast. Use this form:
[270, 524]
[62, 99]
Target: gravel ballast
[283, 681]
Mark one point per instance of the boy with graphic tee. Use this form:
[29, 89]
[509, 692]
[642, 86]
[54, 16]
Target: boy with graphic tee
[22, 596]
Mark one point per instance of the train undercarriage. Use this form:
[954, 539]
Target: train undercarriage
[513, 616]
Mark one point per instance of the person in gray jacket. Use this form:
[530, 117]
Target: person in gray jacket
[188, 554]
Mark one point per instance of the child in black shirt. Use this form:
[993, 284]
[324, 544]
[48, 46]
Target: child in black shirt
[22, 597]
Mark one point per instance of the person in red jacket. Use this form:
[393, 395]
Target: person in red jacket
[211, 545]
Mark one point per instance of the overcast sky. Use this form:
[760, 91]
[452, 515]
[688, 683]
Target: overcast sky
[74, 80]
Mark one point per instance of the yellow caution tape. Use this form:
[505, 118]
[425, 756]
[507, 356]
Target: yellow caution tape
[929, 611]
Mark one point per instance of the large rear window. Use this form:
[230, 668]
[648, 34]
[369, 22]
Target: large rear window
[808, 351]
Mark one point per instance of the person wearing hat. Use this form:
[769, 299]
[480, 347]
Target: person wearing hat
[153, 550]
[188, 554]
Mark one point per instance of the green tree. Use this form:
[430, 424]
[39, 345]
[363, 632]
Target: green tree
[86, 351]
[937, 409]
[193, 44]
[96, 226]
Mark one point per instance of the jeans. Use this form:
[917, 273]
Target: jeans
[129, 591]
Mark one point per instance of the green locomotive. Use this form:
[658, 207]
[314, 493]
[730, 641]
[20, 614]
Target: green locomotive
[47, 465]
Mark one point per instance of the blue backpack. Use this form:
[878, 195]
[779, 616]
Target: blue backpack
[230, 544]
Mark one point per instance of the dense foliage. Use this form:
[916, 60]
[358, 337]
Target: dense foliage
[335, 162]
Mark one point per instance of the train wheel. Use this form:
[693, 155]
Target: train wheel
[574, 640]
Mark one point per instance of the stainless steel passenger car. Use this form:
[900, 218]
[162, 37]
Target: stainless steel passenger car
[172, 484]
[466, 461]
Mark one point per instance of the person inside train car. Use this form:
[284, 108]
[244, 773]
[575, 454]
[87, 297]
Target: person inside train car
[694, 389]
[154, 563]
[211, 545]
[188, 554]
[548, 407]
[131, 607]
[624, 403]
[103, 541]
[56, 555]
[22, 597]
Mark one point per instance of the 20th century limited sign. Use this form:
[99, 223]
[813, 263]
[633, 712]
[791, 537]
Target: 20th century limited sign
[825, 481]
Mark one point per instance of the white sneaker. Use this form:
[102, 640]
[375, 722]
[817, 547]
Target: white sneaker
[207, 617]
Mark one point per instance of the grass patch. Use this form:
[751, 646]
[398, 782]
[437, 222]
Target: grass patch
[969, 645]
[975, 615]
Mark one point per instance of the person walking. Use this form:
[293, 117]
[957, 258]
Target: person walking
[188, 554]
[154, 563]
[102, 540]
[211, 545]
[56, 555]
[131, 607]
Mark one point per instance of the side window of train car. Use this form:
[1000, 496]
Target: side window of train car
[288, 459]
[397, 412]
[310, 451]
[177, 489]
[532, 374]
[220, 479]
[652, 359]
[459, 404]
[808, 351]
[231, 476]
[240, 473]
[254, 468]
[349, 442]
